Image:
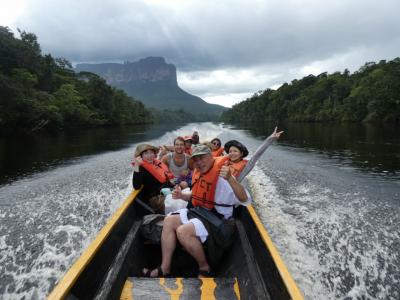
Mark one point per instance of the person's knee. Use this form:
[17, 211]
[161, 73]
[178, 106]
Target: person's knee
[180, 233]
[184, 233]
[171, 221]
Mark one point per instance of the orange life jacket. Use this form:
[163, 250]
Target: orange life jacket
[217, 152]
[188, 151]
[204, 185]
[158, 170]
[237, 167]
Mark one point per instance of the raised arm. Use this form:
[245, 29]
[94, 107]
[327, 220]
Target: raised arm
[237, 188]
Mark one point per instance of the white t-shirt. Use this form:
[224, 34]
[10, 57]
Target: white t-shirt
[223, 195]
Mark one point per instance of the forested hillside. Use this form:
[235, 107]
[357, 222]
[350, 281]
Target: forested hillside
[39, 92]
[371, 94]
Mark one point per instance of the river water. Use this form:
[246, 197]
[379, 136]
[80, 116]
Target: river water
[328, 195]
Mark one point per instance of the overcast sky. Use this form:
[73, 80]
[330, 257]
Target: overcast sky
[224, 50]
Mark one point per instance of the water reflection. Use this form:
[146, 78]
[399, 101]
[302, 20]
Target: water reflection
[370, 148]
[24, 155]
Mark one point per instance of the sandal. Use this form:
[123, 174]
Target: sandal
[160, 273]
[146, 273]
[206, 274]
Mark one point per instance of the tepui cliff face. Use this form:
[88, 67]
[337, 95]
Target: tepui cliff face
[152, 81]
[150, 69]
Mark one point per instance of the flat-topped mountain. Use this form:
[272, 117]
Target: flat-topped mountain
[152, 81]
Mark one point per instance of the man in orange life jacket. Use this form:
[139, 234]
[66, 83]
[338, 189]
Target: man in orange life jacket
[214, 188]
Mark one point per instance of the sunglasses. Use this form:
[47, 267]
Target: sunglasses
[216, 144]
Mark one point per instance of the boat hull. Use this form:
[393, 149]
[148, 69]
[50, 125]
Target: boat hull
[121, 252]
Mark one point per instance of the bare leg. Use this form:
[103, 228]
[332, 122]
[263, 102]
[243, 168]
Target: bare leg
[168, 241]
[187, 237]
[168, 244]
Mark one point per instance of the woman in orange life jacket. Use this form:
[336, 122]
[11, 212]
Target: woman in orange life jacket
[236, 152]
[188, 144]
[216, 147]
[152, 174]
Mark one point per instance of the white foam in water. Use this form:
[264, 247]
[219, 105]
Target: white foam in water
[207, 131]
[337, 245]
[52, 219]
[282, 230]
[53, 216]
[329, 241]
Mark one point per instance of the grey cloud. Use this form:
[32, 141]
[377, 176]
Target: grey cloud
[273, 37]
[207, 36]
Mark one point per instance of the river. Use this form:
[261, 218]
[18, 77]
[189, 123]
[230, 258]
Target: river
[329, 195]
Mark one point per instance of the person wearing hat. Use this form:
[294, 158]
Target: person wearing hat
[152, 174]
[215, 191]
[217, 150]
[188, 144]
[236, 152]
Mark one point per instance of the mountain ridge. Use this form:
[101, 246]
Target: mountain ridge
[152, 81]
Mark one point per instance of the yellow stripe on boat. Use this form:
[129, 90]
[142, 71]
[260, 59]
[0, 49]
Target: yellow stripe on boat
[207, 289]
[174, 293]
[180, 288]
[63, 287]
[289, 282]
[236, 289]
[126, 293]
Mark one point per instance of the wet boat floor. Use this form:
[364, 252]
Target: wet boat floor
[180, 288]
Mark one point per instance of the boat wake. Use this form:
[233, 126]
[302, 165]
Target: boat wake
[48, 219]
[336, 244]
[337, 233]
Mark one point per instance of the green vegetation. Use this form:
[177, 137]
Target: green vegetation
[39, 92]
[371, 94]
[181, 116]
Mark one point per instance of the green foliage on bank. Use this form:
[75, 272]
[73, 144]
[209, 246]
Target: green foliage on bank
[371, 94]
[40, 92]
[181, 116]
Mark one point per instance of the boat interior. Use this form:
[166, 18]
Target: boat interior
[246, 270]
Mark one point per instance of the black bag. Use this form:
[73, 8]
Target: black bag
[223, 229]
[151, 228]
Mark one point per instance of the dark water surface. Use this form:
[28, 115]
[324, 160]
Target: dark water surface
[371, 149]
[25, 155]
[329, 195]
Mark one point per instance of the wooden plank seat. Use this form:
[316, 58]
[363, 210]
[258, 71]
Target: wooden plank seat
[180, 288]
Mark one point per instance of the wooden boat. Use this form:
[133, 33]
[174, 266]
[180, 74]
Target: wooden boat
[110, 268]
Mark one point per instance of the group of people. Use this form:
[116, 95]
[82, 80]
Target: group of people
[214, 193]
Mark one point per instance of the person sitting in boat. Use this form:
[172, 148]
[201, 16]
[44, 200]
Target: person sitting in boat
[195, 138]
[236, 152]
[178, 163]
[215, 191]
[152, 174]
[208, 144]
[163, 150]
[188, 144]
[217, 150]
